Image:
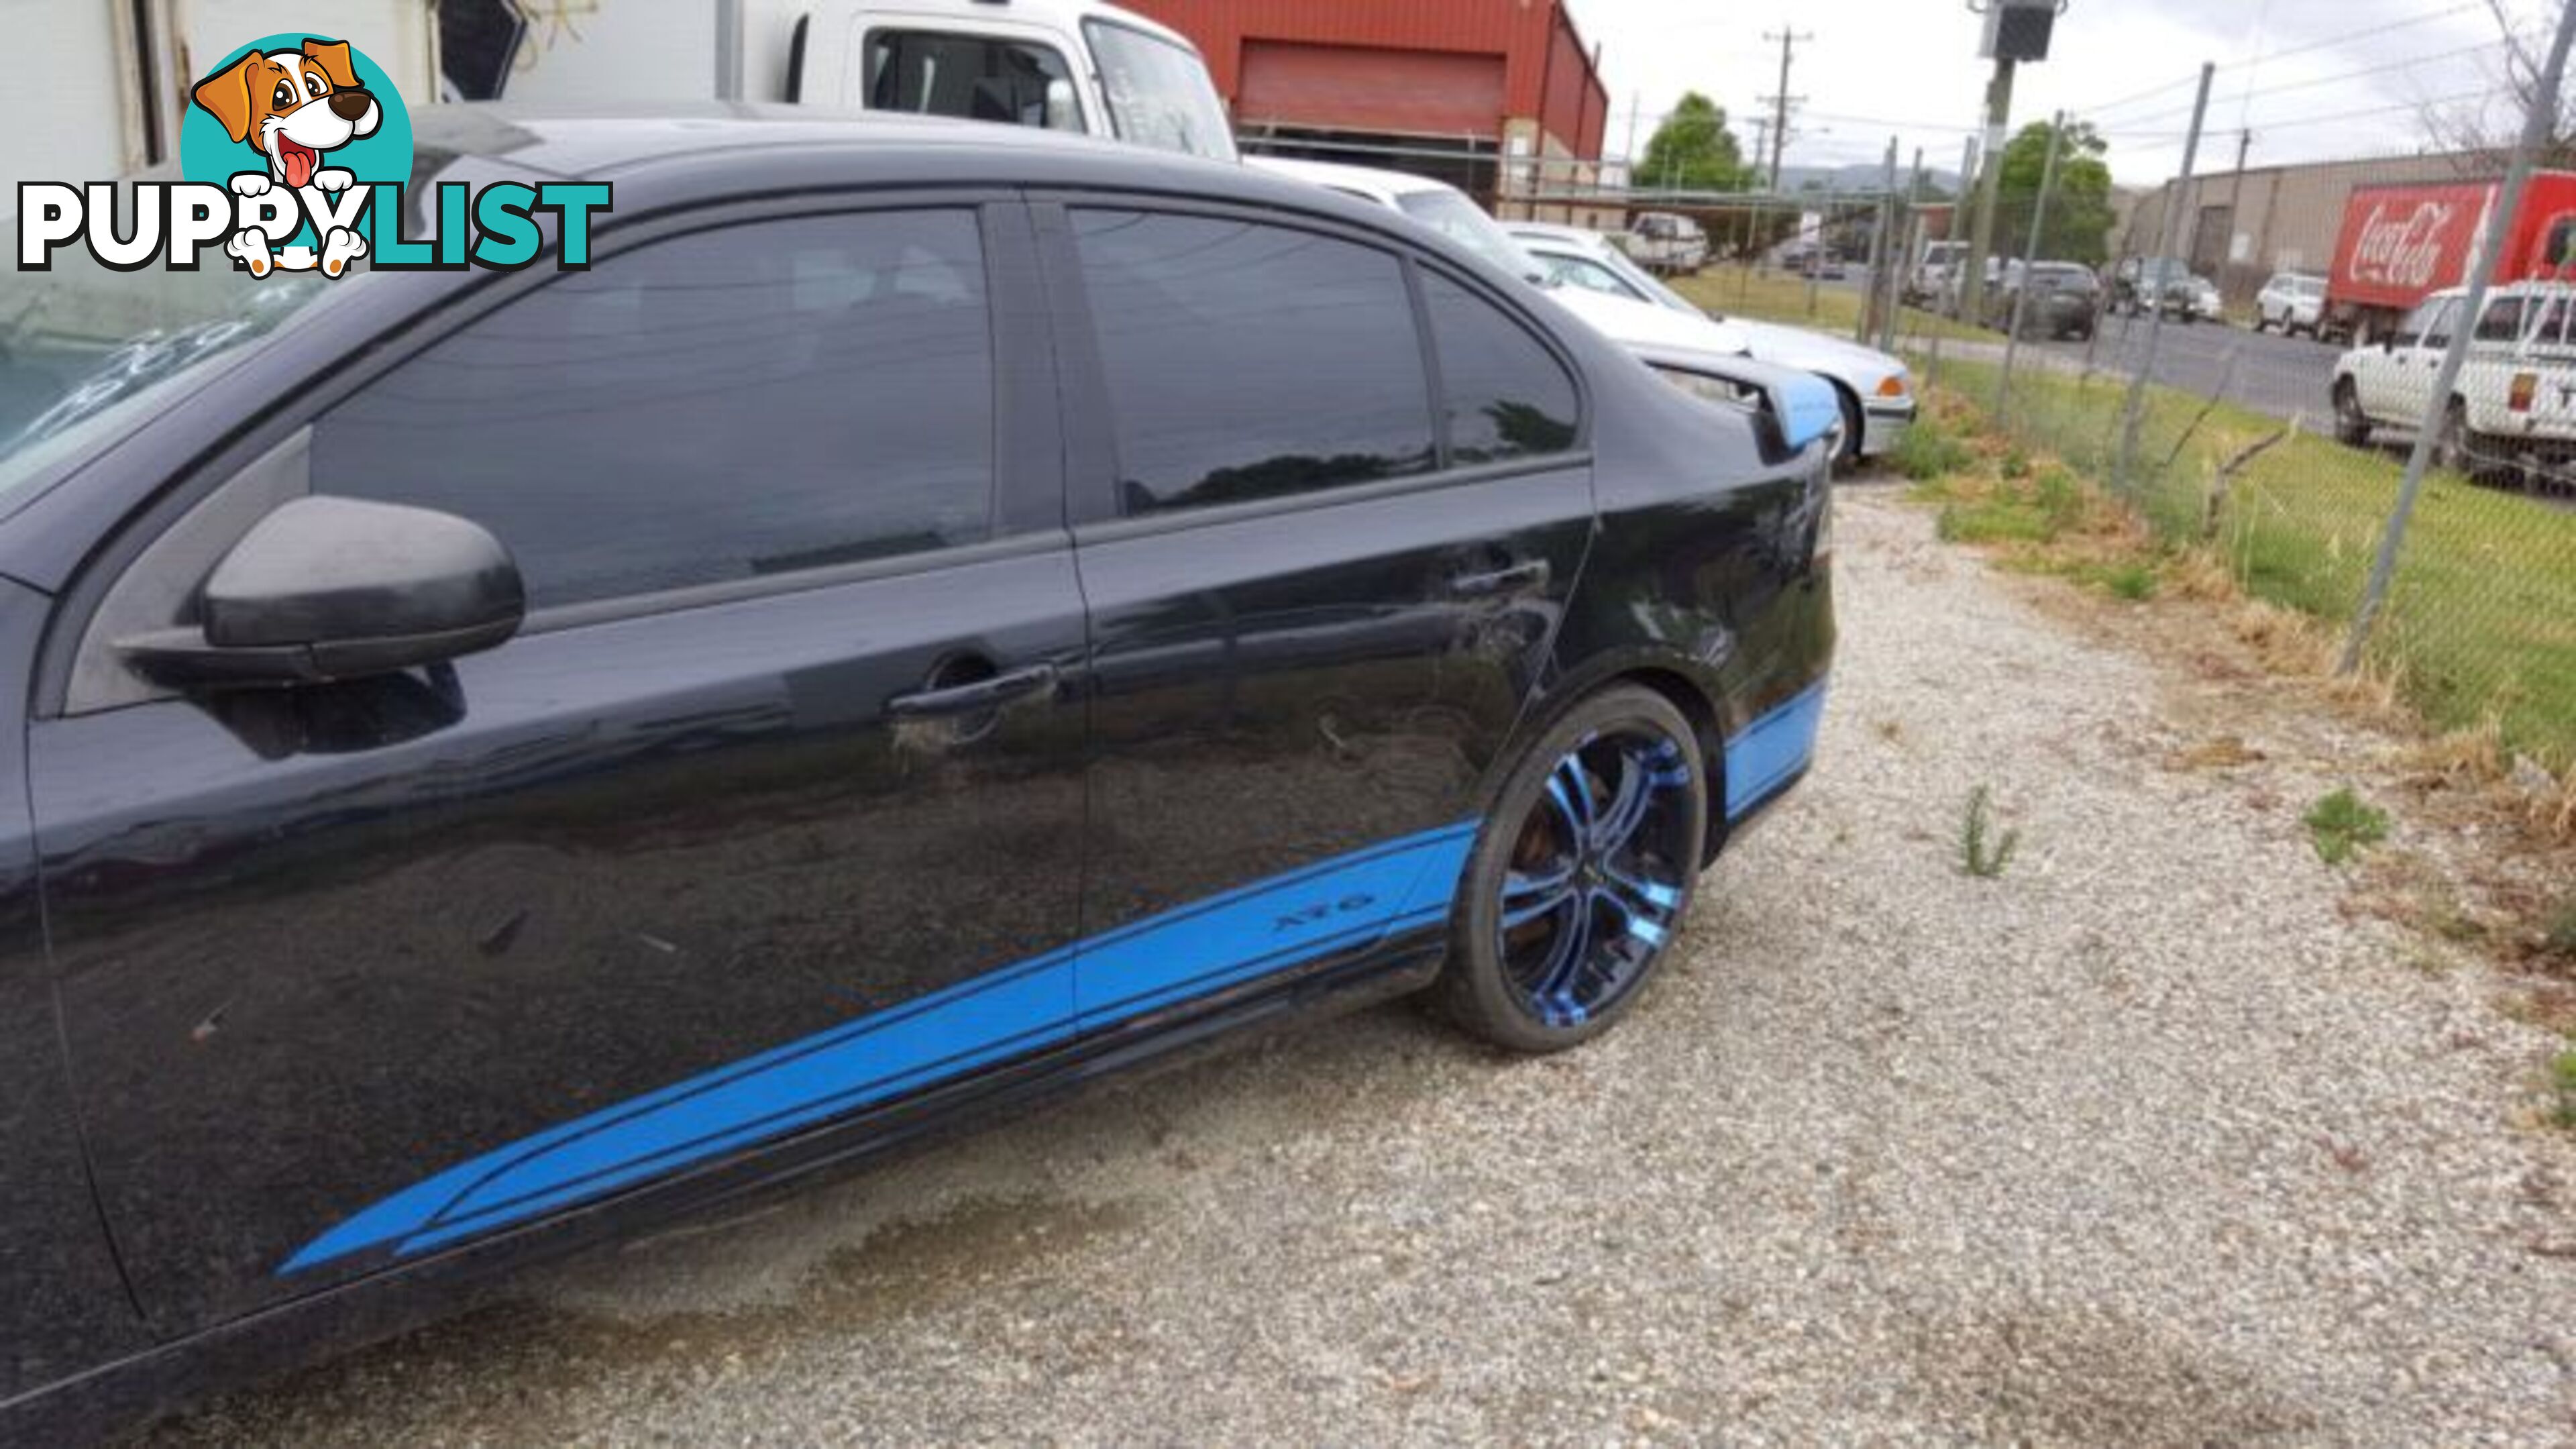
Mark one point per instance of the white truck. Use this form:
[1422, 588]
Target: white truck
[1070, 65]
[113, 90]
[2513, 411]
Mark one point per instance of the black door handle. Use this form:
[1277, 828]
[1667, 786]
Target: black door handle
[1520, 578]
[975, 697]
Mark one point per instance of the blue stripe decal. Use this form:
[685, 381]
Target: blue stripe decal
[1772, 750]
[1349, 902]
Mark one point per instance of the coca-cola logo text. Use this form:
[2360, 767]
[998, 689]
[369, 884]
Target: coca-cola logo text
[2402, 251]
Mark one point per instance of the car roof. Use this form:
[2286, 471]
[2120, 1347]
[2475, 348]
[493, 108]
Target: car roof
[1369, 180]
[658, 155]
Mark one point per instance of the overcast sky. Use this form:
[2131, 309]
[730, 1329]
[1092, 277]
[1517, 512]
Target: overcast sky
[2291, 71]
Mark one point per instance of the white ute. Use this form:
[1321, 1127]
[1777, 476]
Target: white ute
[2516, 399]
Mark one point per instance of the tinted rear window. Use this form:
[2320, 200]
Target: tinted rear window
[1247, 361]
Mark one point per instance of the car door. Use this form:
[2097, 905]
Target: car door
[2378, 373]
[769, 814]
[1330, 503]
[2416, 365]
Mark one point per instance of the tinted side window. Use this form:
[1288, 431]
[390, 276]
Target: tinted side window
[1248, 361]
[2446, 320]
[2412, 330]
[1508, 397]
[2502, 322]
[751, 400]
[971, 76]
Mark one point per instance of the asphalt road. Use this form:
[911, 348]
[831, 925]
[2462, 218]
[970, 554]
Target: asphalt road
[2284, 377]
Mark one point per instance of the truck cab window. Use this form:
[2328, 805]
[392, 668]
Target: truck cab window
[973, 77]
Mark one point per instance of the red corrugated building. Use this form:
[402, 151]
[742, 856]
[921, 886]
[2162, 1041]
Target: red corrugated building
[1450, 88]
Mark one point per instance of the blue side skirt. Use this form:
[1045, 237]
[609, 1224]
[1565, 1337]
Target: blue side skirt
[1347, 903]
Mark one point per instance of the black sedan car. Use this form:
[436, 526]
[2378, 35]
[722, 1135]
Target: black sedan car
[929, 617]
[2064, 299]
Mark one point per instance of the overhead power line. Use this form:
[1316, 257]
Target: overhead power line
[2343, 39]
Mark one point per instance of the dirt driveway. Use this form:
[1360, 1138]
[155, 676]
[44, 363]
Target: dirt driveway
[2149, 1140]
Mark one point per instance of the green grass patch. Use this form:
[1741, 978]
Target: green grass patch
[2342, 824]
[2482, 619]
[1928, 452]
[2562, 1081]
[2134, 582]
[1778, 297]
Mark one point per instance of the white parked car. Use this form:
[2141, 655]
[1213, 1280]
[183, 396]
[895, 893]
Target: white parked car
[1685, 346]
[2516, 397]
[1876, 389]
[1662, 242]
[2294, 302]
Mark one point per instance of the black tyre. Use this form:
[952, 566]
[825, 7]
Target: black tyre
[1581, 877]
[2453, 447]
[1855, 428]
[2262, 324]
[2352, 426]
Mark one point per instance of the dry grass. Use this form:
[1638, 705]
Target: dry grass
[2509, 824]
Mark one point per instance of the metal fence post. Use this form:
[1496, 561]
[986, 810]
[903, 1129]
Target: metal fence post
[1958, 213]
[1867, 326]
[2535, 131]
[2029, 261]
[1908, 222]
[2135, 413]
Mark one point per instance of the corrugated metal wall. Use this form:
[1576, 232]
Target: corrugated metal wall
[1547, 70]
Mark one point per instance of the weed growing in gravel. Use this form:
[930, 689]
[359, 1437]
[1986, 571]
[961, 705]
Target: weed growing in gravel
[2341, 824]
[2562, 1076]
[2558, 937]
[1980, 857]
[2135, 582]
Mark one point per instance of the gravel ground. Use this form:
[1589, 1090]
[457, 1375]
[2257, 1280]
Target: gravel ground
[2150, 1140]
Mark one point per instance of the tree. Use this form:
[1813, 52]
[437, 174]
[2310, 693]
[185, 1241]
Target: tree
[1693, 150]
[2486, 130]
[2079, 208]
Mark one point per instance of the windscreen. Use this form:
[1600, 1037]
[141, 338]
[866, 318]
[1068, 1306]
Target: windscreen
[1159, 93]
[1452, 215]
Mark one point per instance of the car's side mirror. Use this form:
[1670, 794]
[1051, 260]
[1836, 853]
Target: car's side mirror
[1061, 113]
[340, 588]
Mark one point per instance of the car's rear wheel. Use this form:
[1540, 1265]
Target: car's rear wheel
[1581, 876]
[2352, 425]
[1855, 429]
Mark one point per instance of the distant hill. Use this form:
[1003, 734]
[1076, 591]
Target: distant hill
[1860, 176]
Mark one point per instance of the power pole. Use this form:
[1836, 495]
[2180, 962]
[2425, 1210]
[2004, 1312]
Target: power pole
[2235, 203]
[1972, 286]
[1783, 101]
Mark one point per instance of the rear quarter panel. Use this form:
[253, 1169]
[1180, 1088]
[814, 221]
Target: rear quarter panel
[1705, 567]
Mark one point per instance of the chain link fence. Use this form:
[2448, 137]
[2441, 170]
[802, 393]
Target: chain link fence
[2298, 376]
[2282, 371]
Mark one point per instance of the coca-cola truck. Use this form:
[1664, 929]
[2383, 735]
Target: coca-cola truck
[2402, 242]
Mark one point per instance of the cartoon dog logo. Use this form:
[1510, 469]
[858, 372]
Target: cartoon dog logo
[293, 107]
